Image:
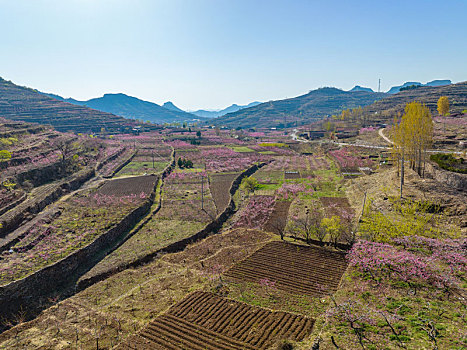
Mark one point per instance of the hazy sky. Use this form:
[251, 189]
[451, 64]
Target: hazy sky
[212, 53]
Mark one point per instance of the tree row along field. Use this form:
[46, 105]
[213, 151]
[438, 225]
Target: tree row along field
[206, 321]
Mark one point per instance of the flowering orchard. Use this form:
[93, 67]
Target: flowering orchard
[83, 218]
[256, 213]
[349, 160]
[441, 264]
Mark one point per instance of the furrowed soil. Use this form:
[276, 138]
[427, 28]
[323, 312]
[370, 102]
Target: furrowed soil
[129, 186]
[293, 268]
[278, 218]
[207, 321]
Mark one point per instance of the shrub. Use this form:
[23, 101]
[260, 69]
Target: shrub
[250, 184]
[184, 163]
[5, 155]
[284, 345]
[450, 163]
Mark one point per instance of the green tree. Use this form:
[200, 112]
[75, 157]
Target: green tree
[443, 105]
[333, 227]
[250, 184]
[180, 162]
[413, 135]
[8, 185]
[5, 155]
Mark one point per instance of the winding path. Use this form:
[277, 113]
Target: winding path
[380, 132]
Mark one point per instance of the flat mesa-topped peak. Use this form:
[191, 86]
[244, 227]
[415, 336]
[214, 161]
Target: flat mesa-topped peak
[361, 88]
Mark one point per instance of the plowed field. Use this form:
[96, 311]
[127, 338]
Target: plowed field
[293, 268]
[206, 321]
[129, 186]
[336, 205]
[278, 219]
[220, 186]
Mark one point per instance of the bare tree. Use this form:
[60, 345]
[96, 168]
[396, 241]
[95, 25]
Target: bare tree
[66, 147]
[308, 225]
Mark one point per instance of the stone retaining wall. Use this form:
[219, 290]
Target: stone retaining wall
[12, 219]
[448, 178]
[29, 292]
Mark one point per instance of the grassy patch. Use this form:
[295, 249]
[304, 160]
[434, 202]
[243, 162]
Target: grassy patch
[242, 149]
[156, 234]
[138, 168]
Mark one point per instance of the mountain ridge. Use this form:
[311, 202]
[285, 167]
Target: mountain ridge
[433, 83]
[394, 104]
[133, 108]
[230, 109]
[29, 105]
[361, 88]
[304, 109]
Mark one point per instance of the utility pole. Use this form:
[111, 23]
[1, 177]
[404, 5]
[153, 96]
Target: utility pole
[379, 85]
[202, 192]
[402, 171]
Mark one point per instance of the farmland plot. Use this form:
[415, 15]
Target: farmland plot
[206, 321]
[220, 189]
[153, 158]
[83, 218]
[129, 186]
[179, 217]
[339, 206]
[256, 213]
[278, 219]
[293, 268]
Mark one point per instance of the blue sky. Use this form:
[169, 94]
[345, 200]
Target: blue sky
[212, 53]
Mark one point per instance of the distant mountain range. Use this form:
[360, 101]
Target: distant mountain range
[29, 105]
[434, 83]
[300, 110]
[394, 104]
[396, 89]
[22, 103]
[172, 107]
[134, 108]
[231, 109]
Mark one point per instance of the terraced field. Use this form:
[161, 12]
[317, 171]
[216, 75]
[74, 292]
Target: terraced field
[129, 186]
[220, 186]
[206, 321]
[293, 268]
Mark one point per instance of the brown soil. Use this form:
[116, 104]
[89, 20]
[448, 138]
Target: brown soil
[129, 186]
[293, 268]
[335, 205]
[278, 219]
[220, 186]
[206, 321]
